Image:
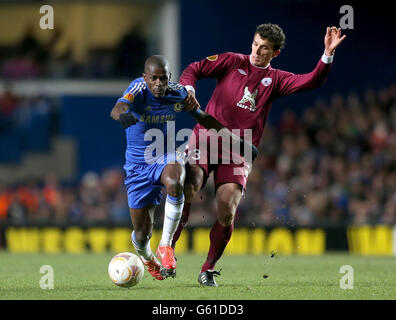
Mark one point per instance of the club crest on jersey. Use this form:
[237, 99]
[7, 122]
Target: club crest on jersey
[129, 97]
[248, 100]
[266, 82]
[178, 107]
[213, 58]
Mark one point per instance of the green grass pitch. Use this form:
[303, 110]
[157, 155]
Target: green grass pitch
[84, 277]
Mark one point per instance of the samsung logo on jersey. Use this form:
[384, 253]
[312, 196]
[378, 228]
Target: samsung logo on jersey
[157, 119]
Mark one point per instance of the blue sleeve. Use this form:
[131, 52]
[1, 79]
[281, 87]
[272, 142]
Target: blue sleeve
[133, 92]
[179, 90]
[183, 93]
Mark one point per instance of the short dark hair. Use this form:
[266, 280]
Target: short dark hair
[156, 61]
[273, 33]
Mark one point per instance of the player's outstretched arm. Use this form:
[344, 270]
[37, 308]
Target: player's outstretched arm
[209, 122]
[290, 83]
[120, 113]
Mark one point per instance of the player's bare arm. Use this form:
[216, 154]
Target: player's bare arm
[291, 83]
[119, 107]
[192, 106]
[332, 40]
[120, 113]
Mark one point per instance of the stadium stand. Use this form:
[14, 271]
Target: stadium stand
[333, 165]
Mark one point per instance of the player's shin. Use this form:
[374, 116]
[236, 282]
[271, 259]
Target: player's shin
[142, 248]
[145, 253]
[173, 212]
[219, 237]
[182, 223]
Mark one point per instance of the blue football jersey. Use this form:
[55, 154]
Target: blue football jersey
[152, 113]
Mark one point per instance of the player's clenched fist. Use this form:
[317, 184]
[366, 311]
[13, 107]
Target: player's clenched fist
[127, 120]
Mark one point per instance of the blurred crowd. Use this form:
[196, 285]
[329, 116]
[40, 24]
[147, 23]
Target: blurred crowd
[333, 164]
[32, 58]
[27, 123]
[94, 199]
[17, 111]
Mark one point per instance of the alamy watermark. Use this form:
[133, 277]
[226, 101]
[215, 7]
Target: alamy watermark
[47, 20]
[346, 281]
[224, 146]
[47, 280]
[347, 20]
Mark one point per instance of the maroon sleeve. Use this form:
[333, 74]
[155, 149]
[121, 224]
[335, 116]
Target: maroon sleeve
[215, 66]
[290, 83]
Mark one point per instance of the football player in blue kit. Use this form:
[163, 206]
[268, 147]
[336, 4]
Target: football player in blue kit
[149, 103]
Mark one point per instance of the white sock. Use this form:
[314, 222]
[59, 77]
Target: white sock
[142, 248]
[173, 212]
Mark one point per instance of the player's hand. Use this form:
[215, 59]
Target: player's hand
[127, 119]
[191, 103]
[246, 147]
[332, 40]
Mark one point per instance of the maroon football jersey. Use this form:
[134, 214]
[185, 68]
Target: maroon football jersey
[244, 93]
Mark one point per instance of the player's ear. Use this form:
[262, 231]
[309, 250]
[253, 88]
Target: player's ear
[170, 76]
[144, 76]
[276, 53]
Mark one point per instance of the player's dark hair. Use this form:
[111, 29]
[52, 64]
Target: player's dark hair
[273, 33]
[156, 61]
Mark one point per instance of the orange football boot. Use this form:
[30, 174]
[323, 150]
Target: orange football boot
[168, 261]
[154, 267]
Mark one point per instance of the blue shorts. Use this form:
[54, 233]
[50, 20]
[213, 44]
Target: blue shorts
[143, 181]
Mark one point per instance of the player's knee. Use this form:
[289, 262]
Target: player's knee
[229, 194]
[226, 217]
[174, 181]
[227, 203]
[226, 209]
[175, 186]
[193, 183]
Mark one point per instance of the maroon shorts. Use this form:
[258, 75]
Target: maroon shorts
[212, 155]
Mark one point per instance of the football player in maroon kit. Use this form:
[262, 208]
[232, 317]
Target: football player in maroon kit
[245, 89]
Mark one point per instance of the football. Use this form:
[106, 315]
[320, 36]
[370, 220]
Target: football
[126, 269]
